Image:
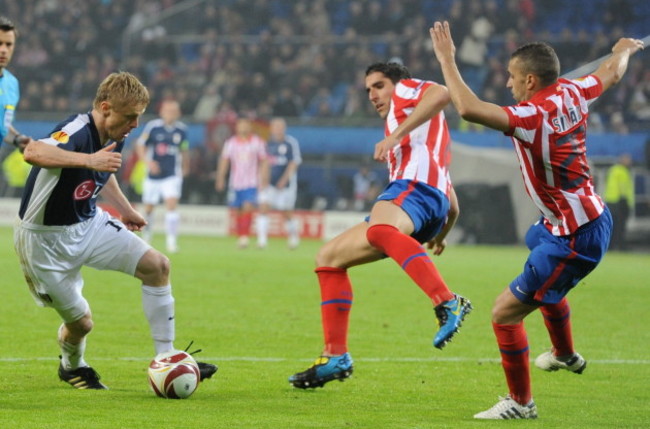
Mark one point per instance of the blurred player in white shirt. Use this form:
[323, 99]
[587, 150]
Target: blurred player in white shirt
[280, 194]
[163, 146]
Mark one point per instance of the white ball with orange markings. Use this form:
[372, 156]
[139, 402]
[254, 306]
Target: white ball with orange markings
[174, 375]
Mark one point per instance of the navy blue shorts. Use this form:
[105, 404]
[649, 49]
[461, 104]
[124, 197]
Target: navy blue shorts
[425, 205]
[556, 264]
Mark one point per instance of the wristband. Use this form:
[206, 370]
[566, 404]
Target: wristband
[15, 141]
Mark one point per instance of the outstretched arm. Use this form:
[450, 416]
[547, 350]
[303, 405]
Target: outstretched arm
[613, 68]
[468, 105]
[48, 156]
[434, 99]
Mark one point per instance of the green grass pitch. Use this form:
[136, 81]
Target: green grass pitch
[256, 314]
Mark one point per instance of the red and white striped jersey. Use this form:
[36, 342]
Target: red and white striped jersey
[549, 132]
[245, 156]
[424, 154]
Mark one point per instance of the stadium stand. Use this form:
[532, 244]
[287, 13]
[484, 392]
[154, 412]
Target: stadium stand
[257, 54]
[304, 60]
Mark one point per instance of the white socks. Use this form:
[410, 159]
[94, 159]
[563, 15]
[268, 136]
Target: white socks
[72, 355]
[171, 227]
[262, 230]
[158, 305]
[147, 232]
[291, 227]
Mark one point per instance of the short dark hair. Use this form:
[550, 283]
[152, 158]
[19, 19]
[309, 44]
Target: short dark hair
[7, 25]
[393, 71]
[540, 59]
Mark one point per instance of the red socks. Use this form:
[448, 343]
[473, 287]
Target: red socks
[557, 318]
[513, 345]
[413, 259]
[336, 295]
[244, 223]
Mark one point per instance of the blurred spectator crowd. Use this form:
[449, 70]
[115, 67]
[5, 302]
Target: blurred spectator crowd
[305, 58]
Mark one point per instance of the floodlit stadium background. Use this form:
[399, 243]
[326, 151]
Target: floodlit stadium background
[304, 60]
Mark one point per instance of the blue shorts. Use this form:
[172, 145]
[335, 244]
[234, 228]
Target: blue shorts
[425, 205]
[556, 264]
[237, 199]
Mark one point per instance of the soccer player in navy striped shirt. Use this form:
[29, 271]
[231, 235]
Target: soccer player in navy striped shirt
[62, 228]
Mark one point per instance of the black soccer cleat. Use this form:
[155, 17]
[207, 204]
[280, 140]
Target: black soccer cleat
[324, 370]
[207, 370]
[81, 378]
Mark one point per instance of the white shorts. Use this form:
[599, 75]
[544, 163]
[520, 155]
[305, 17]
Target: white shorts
[279, 199]
[52, 256]
[155, 190]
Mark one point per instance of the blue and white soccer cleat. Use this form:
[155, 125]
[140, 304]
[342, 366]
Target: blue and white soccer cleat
[450, 316]
[324, 369]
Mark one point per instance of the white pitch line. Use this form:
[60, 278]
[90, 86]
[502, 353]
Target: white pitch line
[369, 359]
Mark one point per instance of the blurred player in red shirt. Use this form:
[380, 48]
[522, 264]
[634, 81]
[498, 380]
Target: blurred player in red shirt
[244, 155]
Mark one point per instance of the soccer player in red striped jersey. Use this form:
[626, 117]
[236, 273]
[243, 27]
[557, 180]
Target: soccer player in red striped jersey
[548, 129]
[244, 155]
[418, 206]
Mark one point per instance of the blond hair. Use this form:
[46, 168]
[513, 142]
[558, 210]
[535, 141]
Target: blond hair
[122, 89]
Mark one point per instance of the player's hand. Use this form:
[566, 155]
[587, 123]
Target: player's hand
[437, 245]
[153, 167]
[219, 185]
[106, 160]
[383, 148]
[134, 221]
[633, 45]
[21, 141]
[443, 44]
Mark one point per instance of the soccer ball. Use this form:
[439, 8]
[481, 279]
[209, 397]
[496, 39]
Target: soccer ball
[174, 375]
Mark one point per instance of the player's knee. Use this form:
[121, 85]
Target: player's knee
[81, 327]
[374, 236]
[497, 315]
[154, 268]
[325, 257]
[161, 265]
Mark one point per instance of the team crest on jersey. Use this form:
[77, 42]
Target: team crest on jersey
[85, 190]
[60, 136]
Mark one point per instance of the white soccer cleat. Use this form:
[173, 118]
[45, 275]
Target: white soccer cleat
[507, 408]
[549, 362]
[293, 242]
[172, 246]
[242, 242]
